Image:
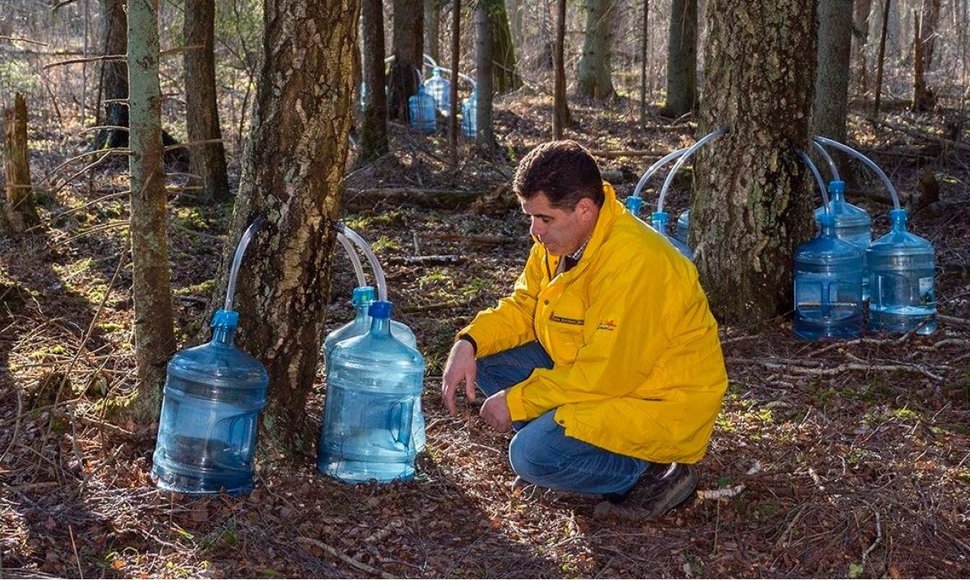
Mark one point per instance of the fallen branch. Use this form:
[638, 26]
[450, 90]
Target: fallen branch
[344, 557]
[432, 260]
[919, 134]
[434, 198]
[475, 238]
[720, 493]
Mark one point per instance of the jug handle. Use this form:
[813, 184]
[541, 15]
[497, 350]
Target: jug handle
[402, 413]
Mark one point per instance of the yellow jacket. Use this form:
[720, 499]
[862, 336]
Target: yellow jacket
[638, 368]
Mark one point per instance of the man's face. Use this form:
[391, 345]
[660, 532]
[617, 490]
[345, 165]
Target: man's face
[561, 231]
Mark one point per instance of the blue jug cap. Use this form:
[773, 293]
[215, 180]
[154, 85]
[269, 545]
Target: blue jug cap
[659, 216]
[225, 318]
[836, 186]
[435, 72]
[825, 219]
[363, 295]
[897, 214]
[634, 203]
[380, 309]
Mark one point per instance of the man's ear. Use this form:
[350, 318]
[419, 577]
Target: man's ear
[586, 207]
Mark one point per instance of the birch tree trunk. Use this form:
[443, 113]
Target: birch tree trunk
[292, 172]
[753, 203]
[152, 290]
[201, 110]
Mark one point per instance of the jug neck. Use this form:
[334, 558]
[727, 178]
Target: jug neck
[224, 324]
[380, 326]
[898, 217]
[223, 334]
[380, 313]
[826, 225]
[659, 220]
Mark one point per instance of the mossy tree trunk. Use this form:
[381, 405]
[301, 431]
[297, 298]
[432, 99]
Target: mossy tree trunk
[208, 161]
[595, 68]
[19, 213]
[152, 289]
[292, 172]
[503, 49]
[753, 201]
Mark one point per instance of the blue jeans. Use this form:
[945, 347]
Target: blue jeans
[541, 452]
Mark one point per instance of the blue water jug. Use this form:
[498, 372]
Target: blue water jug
[683, 227]
[901, 279]
[363, 297]
[852, 224]
[828, 286]
[207, 432]
[440, 90]
[373, 384]
[421, 111]
[659, 221]
[469, 109]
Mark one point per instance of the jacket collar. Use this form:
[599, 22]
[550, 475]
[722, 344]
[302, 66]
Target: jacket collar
[612, 208]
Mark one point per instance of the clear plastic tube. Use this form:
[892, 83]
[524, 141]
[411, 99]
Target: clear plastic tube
[680, 162]
[379, 279]
[867, 162]
[654, 168]
[828, 159]
[237, 259]
[818, 178]
[354, 258]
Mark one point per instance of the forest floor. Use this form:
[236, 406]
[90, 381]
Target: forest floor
[845, 459]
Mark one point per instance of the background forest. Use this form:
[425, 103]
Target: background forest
[842, 459]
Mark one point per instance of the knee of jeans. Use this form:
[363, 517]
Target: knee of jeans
[526, 455]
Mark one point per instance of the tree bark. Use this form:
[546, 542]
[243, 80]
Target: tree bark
[432, 28]
[860, 40]
[681, 59]
[880, 61]
[114, 75]
[151, 286]
[19, 213]
[503, 49]
[291, 175]
[408, 27]
[455, 57]
[201, 109]
[484, 77]
[644, 42]
[752, 206]
[561, 118]
[832, 75]
[924, 45]
[373, 134]
[595, 69]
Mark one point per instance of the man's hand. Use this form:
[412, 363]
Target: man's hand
[461, 366]
[495, 411]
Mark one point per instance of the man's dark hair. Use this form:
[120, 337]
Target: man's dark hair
[564, 171]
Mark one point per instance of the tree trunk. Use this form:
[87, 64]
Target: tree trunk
[924, 44]
[432, 28]
[561, 118]
[595, 70]
[291, 176]
[860, 28]
[373, 134]
[753, 206]
[484, 77]
[455, 57]
[832, 75]
[682, 59]
[19, 213]
[515, 8]
[201, 110]
[114, 75]
[644, 38]
[408, 56]
[503, 49]
[880, 60]
[151, 286]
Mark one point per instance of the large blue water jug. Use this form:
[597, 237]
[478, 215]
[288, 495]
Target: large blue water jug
[440, 90]
[659, 221]
[421, 111]
[828, 287]
[372, 386]
[901, 278]
[363, 297]
[207, 431]
[852, 224]
[683, 227]
[469, 109]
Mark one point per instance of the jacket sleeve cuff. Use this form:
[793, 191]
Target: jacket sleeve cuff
[513, 398]
[468, 338]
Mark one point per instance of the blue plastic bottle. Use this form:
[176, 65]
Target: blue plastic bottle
[658, 220]
[207, 431]
[828, 287]
[363, 297]
[683, 226]
[901, 278]
[852, 224]
[372, 387]
[440, 90]
[469, 109]
[421, 111]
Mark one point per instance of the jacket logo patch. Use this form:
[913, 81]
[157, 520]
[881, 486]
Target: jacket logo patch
[564, 320]
[607, 325]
